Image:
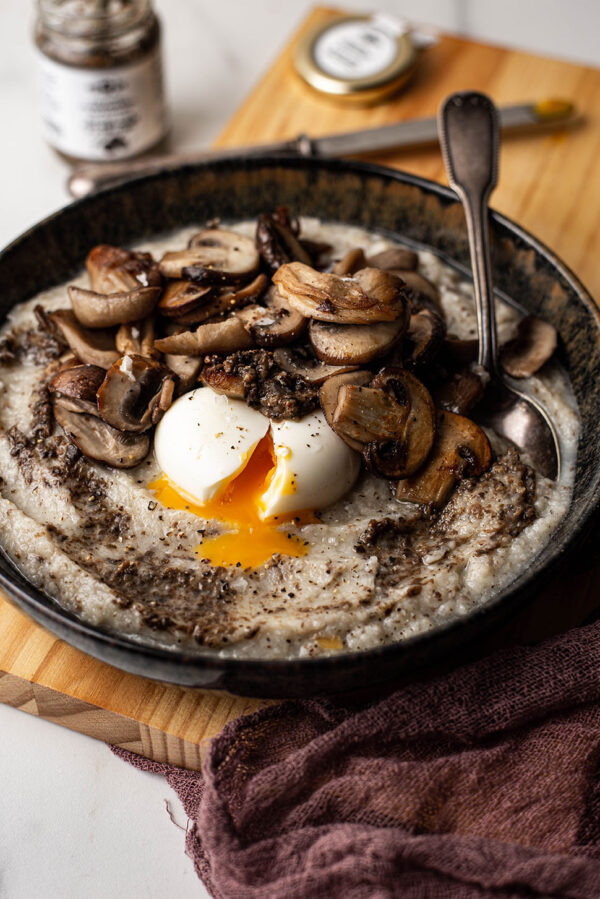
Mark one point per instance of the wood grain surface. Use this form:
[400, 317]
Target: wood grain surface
[549, 182]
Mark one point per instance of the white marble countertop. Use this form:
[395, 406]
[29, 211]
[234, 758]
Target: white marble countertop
[74, 820]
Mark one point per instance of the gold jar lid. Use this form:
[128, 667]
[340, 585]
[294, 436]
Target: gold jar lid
[357, 58]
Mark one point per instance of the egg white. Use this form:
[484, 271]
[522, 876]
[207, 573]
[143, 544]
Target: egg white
[205, 440]
[314, 467]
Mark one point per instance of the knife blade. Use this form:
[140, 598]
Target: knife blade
[91, 177]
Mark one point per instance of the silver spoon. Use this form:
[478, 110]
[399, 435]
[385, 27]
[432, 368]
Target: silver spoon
[469, 136]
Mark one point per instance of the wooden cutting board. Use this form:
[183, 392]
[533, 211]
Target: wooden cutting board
[549, 183]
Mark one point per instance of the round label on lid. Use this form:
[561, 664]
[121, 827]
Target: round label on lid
[354, 50]
[361, 58]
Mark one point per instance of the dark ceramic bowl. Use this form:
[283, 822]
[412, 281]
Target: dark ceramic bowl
[369, 196]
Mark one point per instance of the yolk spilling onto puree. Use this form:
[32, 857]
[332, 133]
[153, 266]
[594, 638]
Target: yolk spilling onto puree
[251, 541]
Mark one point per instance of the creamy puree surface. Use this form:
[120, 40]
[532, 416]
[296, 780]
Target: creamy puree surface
[96, 540]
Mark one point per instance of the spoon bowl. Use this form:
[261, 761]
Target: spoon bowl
[522, 420]
[469, 136]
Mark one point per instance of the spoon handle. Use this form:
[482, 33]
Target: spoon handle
[469, 137]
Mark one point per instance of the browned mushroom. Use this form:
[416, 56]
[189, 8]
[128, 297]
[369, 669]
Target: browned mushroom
[47, 326]
[354, 344]
[384, 288]
[98, 440]
[533, 345]
[225, 336]
[313, 371]
[329, 395]
[251, 291]
[135, 393]
[404, 454]
[284, 218]
[213, 255]
[460, 351]
[367, 414]
[461, 393]
[422, 291]
[278, 325]
[104, 310]
[77, 385]
[252, 314]
[182, 297]
[223, 381]
[393, 418]
[277, 243]
[184, 265]
[461, 450]
[352, 262]
[95, 347]
[221, 300]
[424, 339]
[396, 258]
[137, 337]
[112, 269]
[187, 369]
[370, 296]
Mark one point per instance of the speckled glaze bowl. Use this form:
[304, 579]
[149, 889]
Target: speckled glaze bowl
[397, 204]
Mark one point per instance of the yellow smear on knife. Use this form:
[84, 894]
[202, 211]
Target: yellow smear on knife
[553, 108]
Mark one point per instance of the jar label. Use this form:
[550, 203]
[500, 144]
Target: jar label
[101, 114]
[358, 49]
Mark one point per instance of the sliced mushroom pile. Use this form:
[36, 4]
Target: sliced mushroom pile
[278, 323]
[111, 388]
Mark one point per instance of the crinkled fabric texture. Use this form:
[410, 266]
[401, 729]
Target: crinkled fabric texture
[484, 782]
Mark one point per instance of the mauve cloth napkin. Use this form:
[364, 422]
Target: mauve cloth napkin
[483, 782]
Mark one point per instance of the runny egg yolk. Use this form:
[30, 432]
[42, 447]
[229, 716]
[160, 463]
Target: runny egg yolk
[250, 541]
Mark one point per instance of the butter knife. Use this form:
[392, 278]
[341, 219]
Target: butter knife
[92, 177]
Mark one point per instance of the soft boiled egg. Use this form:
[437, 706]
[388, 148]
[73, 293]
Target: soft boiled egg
[224, 461]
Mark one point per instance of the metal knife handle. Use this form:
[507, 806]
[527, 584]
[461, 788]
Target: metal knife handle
[469, 136]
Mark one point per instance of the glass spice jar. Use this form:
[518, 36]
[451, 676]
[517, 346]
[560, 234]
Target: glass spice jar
[101, 82]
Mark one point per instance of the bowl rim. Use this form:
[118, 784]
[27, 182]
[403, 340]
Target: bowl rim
[171, 661]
